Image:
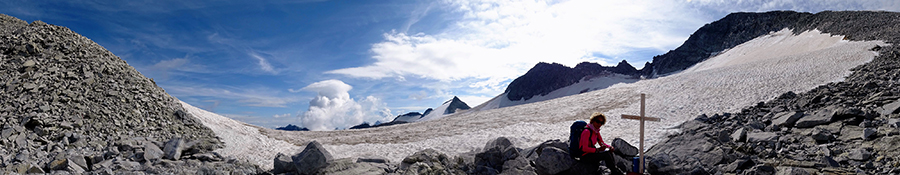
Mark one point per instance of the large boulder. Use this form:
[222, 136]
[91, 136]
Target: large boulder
[818, 117]
[313, 158]
[762, 137]
[553, 160]
[890, 108]
[429, 161]
[623, 148]
[739, 135]
[348, 166]
[787, 118]
[283, 164]
[688, 150]
[152, 152]
[518, 166]
[173, 148]
[496, 153]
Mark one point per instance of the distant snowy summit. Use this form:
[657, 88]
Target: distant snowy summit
[449, 107]
[547, 81]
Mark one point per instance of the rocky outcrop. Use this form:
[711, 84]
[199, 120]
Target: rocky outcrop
[544, 78]
[713, 38]
[843, 127]
[314, 159]
[70, 105]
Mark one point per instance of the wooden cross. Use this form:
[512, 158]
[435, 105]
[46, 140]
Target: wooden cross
[642, 118]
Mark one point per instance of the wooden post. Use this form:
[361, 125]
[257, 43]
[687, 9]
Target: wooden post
[642, 118]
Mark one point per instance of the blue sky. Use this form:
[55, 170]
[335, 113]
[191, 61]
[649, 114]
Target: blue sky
[333, 64]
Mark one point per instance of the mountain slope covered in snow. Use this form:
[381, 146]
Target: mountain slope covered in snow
[674, 98]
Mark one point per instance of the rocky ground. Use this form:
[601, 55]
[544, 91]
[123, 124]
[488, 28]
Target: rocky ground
[70, 106]
[848, 127]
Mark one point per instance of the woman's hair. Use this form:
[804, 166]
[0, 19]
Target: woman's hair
[598, 117]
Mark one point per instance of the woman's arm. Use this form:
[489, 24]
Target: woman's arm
[602, 144]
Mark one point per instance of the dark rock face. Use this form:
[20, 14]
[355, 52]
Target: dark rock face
[715, 37]
[455, 104]
[543, 78]
[291, 127]
[68, 104]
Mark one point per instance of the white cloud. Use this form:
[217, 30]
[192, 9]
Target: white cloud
[258, 97]
[263, 64]
[281, 115]
[333, 108]
[797, 5]
[497, 41]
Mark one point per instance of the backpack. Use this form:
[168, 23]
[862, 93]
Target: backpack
[575, 138]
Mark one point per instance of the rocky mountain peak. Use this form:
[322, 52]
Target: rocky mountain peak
[455, 104]
[544, 77]
[61, 90]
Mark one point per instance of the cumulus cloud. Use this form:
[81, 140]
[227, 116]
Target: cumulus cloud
[333, 108]
[496, 41]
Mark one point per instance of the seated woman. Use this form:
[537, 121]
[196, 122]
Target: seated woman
[595, 150]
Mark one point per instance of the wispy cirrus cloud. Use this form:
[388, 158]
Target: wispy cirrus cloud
[246, 96]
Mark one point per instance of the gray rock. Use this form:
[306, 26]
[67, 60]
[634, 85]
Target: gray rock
[499, 142]
[762, 169]
[33, 169]
[29, 63]
[890, 108]
[517, 166]
[739, 135]
[553, 160]
[152, 152]
[6, 133]
[21, 141]
[859, 154]
[830, 162]
[496, 153]
[739, 164]
[348, 166]
[762, 137]
[787, 118]
[869, 133]
[207, 157]
[128, 165]
[373, 159]
[894, 122]
[173, 148]
[791, 171]
[823, 135]
[313, 158]
[58, 164]
[283, 164]
[818, 117]
[851, 132]
[428, 161]
[78, 160]
[73, 167]
[624, 148]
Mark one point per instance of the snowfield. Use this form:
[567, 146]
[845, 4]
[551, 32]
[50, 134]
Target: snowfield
[243, 140]
[756, 71]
